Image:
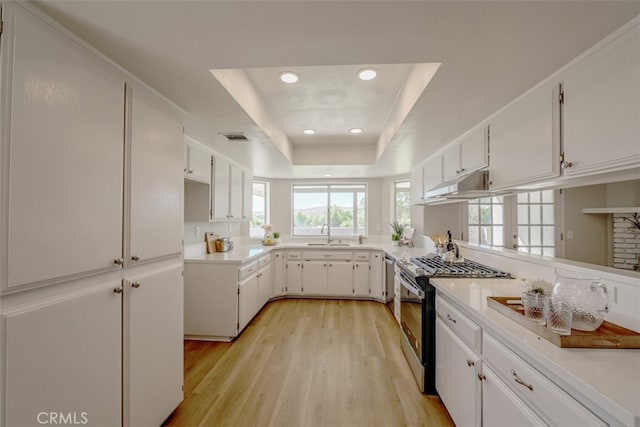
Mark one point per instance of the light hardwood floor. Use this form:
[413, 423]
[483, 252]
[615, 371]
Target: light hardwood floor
[304, 362]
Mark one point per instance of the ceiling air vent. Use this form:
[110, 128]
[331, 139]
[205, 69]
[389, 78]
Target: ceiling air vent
[235, 136]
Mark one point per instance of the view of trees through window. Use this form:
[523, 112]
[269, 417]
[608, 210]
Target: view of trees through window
[486, 222]
[402, 195]
[342, 206]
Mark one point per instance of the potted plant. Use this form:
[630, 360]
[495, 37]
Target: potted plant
[276, 236]
[396, 232]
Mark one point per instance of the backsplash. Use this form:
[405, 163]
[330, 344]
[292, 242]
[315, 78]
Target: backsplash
[626, 242]
[233, 230]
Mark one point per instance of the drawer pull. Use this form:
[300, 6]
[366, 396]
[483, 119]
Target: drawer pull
[470, 362]
[451, 319]
[517, 379]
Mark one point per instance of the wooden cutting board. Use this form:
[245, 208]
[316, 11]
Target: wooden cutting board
[608, 335]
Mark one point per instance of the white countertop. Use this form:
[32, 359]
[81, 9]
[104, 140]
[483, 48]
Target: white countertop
[196, 253]
[609, 379]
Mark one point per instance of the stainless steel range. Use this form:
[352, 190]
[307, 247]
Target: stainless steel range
[418, 308]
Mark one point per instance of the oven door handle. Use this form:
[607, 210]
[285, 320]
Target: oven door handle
[414, 290]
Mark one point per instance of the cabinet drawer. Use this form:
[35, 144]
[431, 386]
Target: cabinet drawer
[328, 255]
[461, 324]
[247, 269]
[262, 261]
[361, 256]
[294, 255]
[551, 402]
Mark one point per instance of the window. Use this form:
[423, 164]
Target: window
[486, 221]
[344, 204]
[402, 202]
[536, 222]
[260, 210]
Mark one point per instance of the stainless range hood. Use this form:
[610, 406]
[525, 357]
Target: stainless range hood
[471, 186]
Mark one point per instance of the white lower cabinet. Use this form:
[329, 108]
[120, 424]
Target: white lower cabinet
[64, 356]
[248, 300]
[361, 279]
[551, 403]
[294, 278]
[501, 407]
[457, 369]
[265, 278]
[376, 276]
[279, 273]
[314, 277]
[153, 350]
[340, 278]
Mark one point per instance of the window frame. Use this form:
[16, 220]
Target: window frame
[504, 224]
[327, 187]
[395, 200]
[266, 209]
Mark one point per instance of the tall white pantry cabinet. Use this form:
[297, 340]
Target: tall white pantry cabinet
[91, 223]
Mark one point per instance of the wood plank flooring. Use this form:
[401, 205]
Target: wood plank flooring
[304, 362]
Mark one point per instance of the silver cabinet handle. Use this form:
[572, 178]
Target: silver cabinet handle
[135, 258]
[118, 290]
[451, 319]
[190, 170]
[470, 362]
[566, 165]
[118, 261]
[481, 377]
[135, 285]
[519, 380]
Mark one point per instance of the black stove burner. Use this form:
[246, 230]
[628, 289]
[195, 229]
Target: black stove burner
[434, 266]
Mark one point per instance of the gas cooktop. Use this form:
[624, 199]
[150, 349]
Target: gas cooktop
[434, 266]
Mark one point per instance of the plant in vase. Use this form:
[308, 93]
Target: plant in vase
[276, 236]
[396, 232]
[268, 239]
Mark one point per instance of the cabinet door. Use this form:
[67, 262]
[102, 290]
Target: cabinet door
[601, 114]
[525, 140]
[154, 346]
[451, 163]
[199, 166]
[432, 173]
[456, 377]
[266, 283]
[156, 186]
[248, 300]
[417, 183]
[376, 276]
[340, 278]
[279, 274]
[220, 189]
[314, 277]
[294, 278]
[236, 195]
[247, 195]
[61, 130]
[501, 407]
[65, 357]
[361, 279]
[474, 151]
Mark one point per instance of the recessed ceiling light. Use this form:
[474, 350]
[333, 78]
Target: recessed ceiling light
[367, 74]
[355, 131]
[309, 131]
[289, 77]
[327, 175]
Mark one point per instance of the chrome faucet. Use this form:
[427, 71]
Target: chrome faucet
[328, 232]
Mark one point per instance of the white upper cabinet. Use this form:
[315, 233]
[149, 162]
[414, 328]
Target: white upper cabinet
[247, 195]
[156, 181]
[417, 182]
[220, 189]
[601, 112]
[431, 173]
[197, 164]
[468, 155]
[62, 194]
[236, 193]
[524, 139]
